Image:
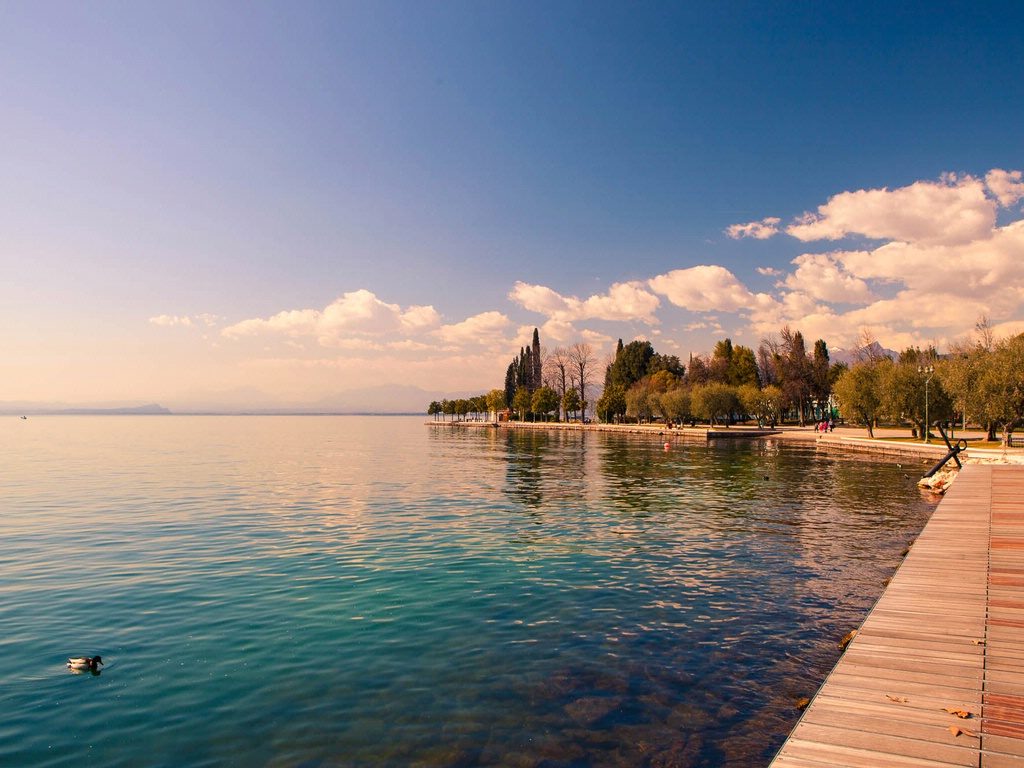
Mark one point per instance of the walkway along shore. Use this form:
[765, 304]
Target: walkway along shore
[843, 439]
[935, 675]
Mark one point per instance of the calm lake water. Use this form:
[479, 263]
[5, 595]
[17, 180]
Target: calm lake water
[335, 591]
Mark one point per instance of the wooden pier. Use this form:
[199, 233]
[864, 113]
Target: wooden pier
[935, 676]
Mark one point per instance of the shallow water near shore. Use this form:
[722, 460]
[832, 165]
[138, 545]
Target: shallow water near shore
[280, 591]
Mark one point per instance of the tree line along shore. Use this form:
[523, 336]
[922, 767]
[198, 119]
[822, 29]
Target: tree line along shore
[977, 382]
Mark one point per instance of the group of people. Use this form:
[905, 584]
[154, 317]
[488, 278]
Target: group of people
[825, 425]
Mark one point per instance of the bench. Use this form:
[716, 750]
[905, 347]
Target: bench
[1016, 442]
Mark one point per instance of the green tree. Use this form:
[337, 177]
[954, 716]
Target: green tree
[743, 367]
[434, 409]
[774, 401]
[448, 407]
[961, 375]
[720, 362]
[821, 384]
[1002, 385]
[571, 402]
[630, 364]
[754, 403]
[522, 402]
[668, 363]
[640, 401]
[714, 401]
[675, 404]
[544, 401]
[496, 401]
[612, 403]
[903, 395]
[859, 392]
[511, 385]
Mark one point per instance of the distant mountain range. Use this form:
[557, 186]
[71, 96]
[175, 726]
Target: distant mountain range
[850, 356]
[384, 400]
[61, 409]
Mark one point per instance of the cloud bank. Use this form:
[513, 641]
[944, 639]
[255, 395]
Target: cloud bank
[914, 265]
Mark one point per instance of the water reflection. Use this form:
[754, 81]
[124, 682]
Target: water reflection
[428, 595]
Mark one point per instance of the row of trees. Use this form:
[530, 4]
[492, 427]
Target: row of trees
[542, 383]
[979, 382]
[733, 382]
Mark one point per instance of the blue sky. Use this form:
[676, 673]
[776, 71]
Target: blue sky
[237, 203]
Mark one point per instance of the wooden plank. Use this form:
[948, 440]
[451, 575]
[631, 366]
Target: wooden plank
[947, 633]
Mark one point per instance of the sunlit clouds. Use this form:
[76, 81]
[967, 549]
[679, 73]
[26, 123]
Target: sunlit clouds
[187, 321]
[706, 288]
[355, 314]
[622, 301]
[953, 210]
[759, 230]
[1005, 185]
[916, 264]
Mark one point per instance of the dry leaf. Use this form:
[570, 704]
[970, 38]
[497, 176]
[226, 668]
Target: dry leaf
[956, 731]
[963, 714]
[801, 704]
[978, 642]
[897, 699]
[847, 638]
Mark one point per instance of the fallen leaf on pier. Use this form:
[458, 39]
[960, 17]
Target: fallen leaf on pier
[963, 714]
[956, 731]
[978, 642]
[847, 638]
[897, 699]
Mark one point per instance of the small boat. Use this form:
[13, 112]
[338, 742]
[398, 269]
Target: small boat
[84, 663]
[24, 417]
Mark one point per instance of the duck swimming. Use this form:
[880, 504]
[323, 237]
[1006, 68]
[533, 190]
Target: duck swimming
[84, 663]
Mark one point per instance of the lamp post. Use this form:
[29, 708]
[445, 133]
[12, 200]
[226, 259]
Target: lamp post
[928, 371]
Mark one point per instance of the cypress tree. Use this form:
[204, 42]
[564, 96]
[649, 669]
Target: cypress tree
[536, 374]
[510, 383]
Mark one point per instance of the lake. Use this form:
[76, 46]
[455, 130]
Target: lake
[348, 591]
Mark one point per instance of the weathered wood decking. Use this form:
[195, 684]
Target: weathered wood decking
[947, 634]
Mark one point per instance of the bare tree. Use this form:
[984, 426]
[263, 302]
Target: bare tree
[558, 367]
[583, 361]
[768, 355]
[986, 334]
[869, 350]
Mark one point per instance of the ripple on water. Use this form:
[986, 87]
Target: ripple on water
[280, 591]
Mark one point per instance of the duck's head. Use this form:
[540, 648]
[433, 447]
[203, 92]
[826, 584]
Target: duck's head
[96, 660]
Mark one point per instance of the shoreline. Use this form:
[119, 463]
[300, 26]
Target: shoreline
[842, 439]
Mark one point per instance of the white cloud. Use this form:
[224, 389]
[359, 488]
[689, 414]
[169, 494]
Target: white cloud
[595, 337]
[1005, 185]
[951, 211]
[822, 276]
[484, 328]
[706, 288]
[294, 322]
[168, 321]
[623, 301]
[759, 230]
[353, 314]
[769, 271]
[557, 330]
